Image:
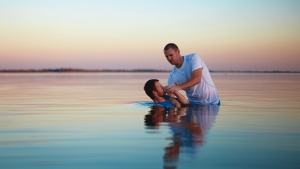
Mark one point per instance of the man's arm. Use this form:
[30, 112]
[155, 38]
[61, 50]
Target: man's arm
[181, 98]
[175, 102]
[195, 79]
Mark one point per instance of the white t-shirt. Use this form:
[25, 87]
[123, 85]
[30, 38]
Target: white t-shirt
[204, 92]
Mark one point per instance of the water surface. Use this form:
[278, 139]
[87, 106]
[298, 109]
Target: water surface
[104, 120]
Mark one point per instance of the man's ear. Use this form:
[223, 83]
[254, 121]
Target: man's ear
[154, 93]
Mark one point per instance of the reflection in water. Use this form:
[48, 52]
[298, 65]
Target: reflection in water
[189, 126]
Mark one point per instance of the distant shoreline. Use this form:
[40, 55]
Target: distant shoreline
[71, 70]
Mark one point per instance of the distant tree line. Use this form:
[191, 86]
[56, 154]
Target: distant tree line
[62, 70]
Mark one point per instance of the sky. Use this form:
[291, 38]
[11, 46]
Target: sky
[131, 34]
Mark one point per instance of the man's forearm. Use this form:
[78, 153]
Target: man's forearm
[194, 80]
[181, 98]
[190, 83]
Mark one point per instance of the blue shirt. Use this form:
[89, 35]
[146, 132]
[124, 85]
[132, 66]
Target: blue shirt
[167, 104]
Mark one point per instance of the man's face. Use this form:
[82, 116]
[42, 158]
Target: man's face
[159, 89]
[172, 55]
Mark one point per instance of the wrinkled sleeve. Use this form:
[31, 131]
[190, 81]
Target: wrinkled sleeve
[196, 62]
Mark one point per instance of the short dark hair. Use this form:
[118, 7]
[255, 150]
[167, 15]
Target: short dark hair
[171, 45]
[149, 87]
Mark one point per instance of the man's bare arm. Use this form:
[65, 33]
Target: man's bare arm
[181, 98]
[195, 79]
[175, 102]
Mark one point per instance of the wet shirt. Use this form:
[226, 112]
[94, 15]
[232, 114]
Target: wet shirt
[167, 104]
[203, 93]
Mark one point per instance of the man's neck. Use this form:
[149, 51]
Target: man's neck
[180, 63]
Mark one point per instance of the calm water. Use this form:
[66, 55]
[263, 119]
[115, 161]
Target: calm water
[104, 120]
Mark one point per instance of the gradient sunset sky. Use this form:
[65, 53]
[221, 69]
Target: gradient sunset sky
[131, 34]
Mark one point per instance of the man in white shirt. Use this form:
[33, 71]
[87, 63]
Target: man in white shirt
[192, 75]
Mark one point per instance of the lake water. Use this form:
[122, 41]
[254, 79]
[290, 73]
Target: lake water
[105, 120]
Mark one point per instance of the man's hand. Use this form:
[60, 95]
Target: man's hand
[172, 89]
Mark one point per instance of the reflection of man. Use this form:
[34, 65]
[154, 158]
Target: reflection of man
[191, 74]
[189, 127]
[156, 115]
[194, 126]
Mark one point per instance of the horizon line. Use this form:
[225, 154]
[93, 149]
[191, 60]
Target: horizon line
[66, 70]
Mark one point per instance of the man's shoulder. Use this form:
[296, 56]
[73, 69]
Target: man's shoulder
[189, 56]
[166, 104]
[193, 57]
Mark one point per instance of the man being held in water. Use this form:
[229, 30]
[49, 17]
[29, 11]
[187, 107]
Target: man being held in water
[158, 94]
